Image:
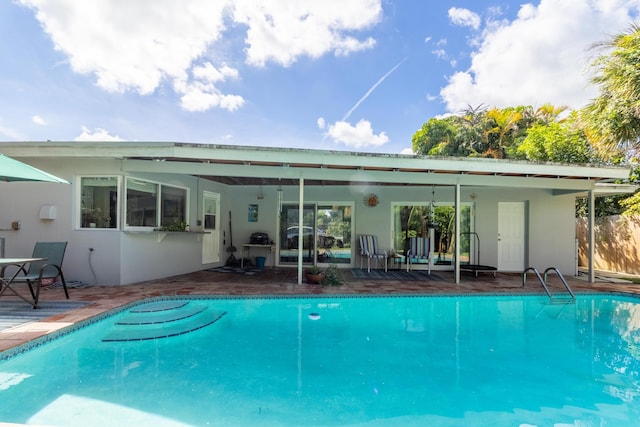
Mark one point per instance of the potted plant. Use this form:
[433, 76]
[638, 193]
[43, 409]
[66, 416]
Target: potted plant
[314, 275]
[332, 276]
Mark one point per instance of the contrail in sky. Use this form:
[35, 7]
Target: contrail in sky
[366, 95]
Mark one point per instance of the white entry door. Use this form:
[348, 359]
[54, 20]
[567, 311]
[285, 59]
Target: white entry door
[511, 236]
[211, 240]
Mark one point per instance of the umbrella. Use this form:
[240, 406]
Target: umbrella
[13, 170]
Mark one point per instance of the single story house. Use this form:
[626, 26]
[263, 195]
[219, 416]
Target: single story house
[129, 203]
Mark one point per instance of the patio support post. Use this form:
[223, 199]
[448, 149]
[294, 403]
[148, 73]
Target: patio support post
[300, 228]
[592, 216]
[456, 238]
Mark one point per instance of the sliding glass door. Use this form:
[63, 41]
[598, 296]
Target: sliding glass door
[326, 234]
[289, 233]
[334, 234]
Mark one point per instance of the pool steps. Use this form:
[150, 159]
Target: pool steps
[162, 319]
[559, 299]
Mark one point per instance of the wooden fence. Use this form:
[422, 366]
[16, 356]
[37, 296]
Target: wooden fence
[617, 240]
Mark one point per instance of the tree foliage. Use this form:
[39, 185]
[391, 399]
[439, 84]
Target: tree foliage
[556, 142]
[520, 132]
[614, 116]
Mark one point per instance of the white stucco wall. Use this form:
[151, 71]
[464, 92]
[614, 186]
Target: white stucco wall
[549, 227]
[120, 257]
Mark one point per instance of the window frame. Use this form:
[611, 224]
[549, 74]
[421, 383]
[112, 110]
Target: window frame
[159, 203]
[463, 205]
[79, 202]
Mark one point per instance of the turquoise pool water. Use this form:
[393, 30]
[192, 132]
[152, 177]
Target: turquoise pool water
[400, 361]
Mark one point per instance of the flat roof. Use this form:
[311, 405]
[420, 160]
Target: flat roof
[252, 165]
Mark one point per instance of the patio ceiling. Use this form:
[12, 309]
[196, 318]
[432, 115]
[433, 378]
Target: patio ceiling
[234, 165]
[244, 165]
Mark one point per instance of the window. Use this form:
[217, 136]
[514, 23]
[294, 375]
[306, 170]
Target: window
[99, 202]
[174, 205]
[411, 220]
[153, 205]
[142, 203]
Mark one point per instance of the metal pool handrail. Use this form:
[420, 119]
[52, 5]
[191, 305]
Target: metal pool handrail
[564, 282]
[524, 279]
[543, 281]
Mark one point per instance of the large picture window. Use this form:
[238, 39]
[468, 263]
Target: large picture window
[152, 205]
[412, 220]
[99, 202]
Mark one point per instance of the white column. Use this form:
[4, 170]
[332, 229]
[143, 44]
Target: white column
[456, 237]
[592, 218]
[300, 228]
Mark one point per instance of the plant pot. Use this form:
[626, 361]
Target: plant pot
[314, 279]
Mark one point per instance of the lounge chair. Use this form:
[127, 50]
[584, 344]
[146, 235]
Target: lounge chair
[420, 249]
[369, 249]
[49, 268]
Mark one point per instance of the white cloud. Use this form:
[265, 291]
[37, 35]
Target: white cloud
[358, 136]
[321, 122]
[282, 30]
[406, 151]
[97, 134]
[464, 17]
[440, 53]
[200, 93]
[38, 120]
[138, 46]
[130, 45]
[540, 57]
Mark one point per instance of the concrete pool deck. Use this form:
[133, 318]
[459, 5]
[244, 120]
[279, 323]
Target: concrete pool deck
[283, 282]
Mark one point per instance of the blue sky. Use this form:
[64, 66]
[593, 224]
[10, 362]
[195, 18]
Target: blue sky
[357, 75]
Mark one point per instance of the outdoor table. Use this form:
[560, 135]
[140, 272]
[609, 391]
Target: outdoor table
[5, 282]
[397, 260]
[248, 246]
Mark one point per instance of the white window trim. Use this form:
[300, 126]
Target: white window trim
[158, 203]
[77, 211]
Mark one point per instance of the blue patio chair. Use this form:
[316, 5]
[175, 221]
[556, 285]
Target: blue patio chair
[369, 249]
[49, 268]
[419, 249]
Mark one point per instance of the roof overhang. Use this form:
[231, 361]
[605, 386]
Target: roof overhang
[244, 165]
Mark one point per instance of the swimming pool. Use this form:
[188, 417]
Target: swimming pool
[436, 361]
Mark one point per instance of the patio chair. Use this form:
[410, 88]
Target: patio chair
[369, 249]
[419, 249]
[49, 268]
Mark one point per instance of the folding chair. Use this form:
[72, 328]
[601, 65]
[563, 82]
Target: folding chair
[419, 249]
[369, 249]
[49, 268]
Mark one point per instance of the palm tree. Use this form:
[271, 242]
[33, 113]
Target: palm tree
[505, 124]
[613, 118]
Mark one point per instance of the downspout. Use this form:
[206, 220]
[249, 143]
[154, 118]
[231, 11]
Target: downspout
[456, 228]
[592, 239]
[300, 228]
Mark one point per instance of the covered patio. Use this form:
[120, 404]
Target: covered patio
[275, 190]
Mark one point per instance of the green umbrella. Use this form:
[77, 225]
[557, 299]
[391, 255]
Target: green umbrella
[13, 170]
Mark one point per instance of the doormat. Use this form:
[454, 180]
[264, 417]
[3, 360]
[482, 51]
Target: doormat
[13, 313]
[409, 276]
[249, 271]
